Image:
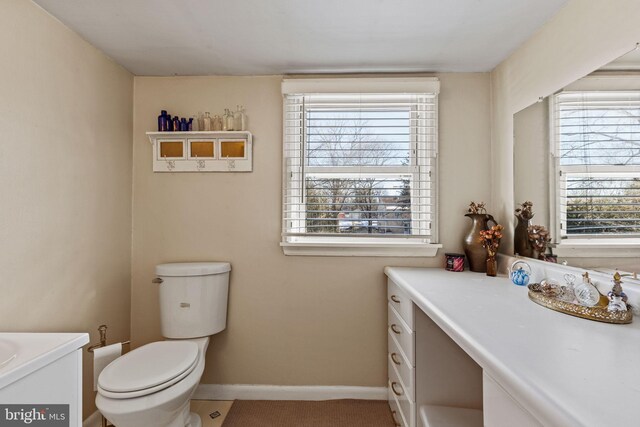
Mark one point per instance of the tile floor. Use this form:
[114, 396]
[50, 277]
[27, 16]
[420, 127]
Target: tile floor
[205, 408]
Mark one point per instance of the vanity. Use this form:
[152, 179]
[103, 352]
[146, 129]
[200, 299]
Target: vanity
[470, 350]
[42, 372]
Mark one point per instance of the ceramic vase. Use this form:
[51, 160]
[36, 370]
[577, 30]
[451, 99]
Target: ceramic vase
[476, 254]
[521, 244]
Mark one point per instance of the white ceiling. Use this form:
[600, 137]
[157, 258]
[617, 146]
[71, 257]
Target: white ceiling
[245, 37]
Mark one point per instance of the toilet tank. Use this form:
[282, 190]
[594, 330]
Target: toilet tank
[193, 298]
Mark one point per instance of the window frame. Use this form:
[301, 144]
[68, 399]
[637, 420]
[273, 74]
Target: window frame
[588, 245]
[357, 244]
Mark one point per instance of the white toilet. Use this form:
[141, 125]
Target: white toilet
[152, 385]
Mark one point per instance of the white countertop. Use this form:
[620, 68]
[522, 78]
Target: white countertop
[564, 370]
[35, 350]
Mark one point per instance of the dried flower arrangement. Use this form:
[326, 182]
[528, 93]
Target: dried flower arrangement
[476, 208]
[524, 212]
[539, 237]
[491, 239]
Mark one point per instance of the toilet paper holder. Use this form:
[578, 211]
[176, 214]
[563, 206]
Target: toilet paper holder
[103, 339]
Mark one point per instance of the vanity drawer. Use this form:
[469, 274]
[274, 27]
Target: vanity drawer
[399, 300]
[407, 406]
[404, 370]
[402, 333]
[398, 420]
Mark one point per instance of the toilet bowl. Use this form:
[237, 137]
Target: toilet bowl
[153, 384]
[140, 391]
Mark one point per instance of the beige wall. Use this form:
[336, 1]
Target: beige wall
[582, 37]
[65, 168]
[292, 320]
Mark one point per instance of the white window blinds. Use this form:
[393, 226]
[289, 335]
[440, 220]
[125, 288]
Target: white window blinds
[359, 165]
[597, 161]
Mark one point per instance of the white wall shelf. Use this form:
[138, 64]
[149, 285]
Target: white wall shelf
[225, 151]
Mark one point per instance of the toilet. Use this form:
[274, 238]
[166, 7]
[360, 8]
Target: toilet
[153, 384]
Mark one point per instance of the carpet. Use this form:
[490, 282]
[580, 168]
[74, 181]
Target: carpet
[299, 413]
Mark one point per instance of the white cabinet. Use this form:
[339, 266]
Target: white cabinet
[44, 376]
[227, 151]
[401, 356]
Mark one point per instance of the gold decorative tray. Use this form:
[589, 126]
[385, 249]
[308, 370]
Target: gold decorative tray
[598, 312]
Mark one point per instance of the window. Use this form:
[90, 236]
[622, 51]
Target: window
[360, 167]
[596, 143]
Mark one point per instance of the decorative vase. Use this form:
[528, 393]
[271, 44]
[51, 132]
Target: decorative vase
[521, 244]
[476, 254]
[492, 266]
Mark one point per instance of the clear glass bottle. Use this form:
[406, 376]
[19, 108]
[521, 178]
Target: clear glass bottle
[225, 120]
[217, 123]
[200, 119]
[206, 121]
[239, 119]
[230, 122]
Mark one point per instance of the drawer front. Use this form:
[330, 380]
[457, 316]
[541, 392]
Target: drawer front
[398, 421]
[407, 406]
[405, 371]
[399, 300]
[402, 333]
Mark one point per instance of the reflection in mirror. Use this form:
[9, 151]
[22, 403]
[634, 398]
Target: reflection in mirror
[577, 159]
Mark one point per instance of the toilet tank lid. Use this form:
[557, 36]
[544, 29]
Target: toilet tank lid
[181, 269]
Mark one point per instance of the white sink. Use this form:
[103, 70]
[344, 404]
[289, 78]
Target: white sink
[8, 352]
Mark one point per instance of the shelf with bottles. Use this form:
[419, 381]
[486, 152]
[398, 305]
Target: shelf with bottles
[202, 151]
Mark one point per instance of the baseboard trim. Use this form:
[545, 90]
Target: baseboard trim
[286, 392]
[93, 420]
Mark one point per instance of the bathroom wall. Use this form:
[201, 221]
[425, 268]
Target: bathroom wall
[582, 37]
[65, 169]
[292, 320]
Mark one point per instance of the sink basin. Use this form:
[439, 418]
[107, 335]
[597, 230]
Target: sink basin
[8, 352]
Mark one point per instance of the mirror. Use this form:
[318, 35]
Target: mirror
[577, 159]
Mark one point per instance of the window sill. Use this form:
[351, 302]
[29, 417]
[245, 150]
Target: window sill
[598, 248]
[360, 248]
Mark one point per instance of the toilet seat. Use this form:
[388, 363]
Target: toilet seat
[148, 369]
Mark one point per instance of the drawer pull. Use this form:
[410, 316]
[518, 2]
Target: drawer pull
[394, 359]
[395, 329]
[393, 388]
[395, 421]
[395, 299]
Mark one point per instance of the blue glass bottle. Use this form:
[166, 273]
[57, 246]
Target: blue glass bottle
[183, 125]
[176, 124]
[169, 123]
[162, 121]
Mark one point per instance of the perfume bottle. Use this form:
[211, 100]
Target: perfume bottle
[162, 121]
[586, 293]
[206, 121]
